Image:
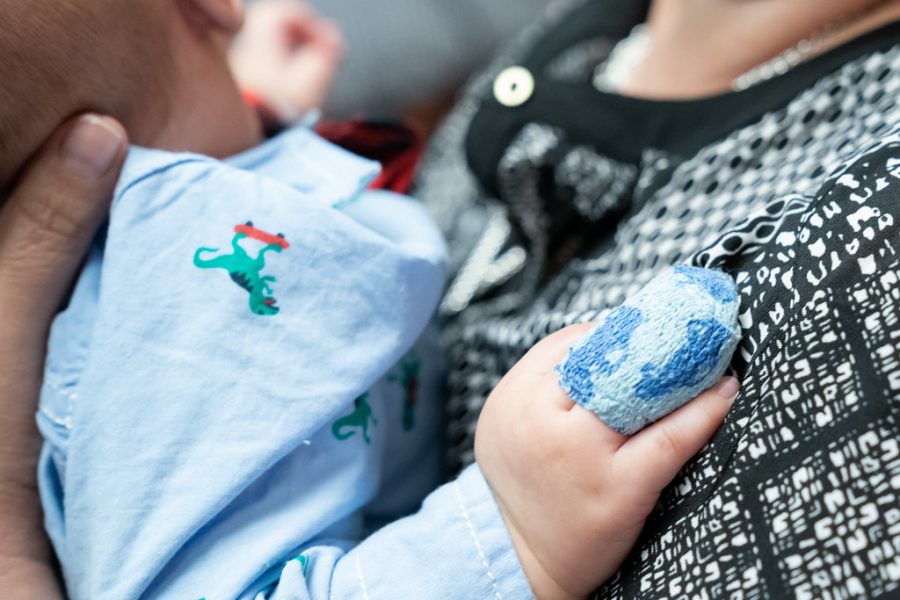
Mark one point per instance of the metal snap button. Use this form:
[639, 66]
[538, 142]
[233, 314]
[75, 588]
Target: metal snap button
[514, 86]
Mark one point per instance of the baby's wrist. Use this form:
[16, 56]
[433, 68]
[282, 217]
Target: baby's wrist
[544, 586]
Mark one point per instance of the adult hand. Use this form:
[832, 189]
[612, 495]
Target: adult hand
[46, 226]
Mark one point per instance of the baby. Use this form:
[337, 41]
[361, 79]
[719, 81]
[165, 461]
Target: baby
[228, 395]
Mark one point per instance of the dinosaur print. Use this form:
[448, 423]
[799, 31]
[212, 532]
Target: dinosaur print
[358, 419]
[246, 271]
[304, 563]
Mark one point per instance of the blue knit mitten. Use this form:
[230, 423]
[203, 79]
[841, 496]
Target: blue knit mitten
[661, 348]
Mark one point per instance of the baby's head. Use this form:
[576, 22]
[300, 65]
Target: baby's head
[159, 66]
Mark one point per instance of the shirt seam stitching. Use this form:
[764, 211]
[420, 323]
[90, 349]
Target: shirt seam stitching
[484, 561]
[361, 577]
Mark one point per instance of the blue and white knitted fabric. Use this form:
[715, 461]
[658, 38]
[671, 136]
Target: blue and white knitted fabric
[662, 347]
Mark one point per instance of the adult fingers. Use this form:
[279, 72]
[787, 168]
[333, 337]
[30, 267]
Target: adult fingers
[51, 216]
[654, 456]
[45, 227]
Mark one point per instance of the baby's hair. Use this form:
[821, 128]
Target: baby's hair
[61, 57]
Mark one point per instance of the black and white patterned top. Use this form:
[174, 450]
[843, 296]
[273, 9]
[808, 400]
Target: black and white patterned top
[559, 208]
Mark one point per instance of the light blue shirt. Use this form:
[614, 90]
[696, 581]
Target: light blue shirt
[241, 379]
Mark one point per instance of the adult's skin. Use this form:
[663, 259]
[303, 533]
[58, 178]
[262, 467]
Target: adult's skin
[46, 225]
[737, 37]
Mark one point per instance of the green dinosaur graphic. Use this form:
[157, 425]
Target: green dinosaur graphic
[304, 563]
[245, 270]
[409, 379]
[358, 419]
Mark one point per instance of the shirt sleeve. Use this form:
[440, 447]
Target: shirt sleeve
[816, 428]
[831, 379]
[836, 259]
[456, 546]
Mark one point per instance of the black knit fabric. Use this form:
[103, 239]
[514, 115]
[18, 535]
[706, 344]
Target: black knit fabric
[558, 209]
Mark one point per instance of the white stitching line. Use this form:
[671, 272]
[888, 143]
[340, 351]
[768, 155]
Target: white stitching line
[362, 580]
[465, 513]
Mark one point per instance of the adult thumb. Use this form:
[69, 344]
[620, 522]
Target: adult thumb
[51, 215]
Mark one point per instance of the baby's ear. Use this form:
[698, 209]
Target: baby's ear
[227, 16]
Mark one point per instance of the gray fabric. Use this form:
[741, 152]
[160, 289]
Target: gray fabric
[405, 52]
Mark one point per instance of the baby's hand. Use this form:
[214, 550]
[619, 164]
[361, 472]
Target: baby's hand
[288, 55]
[574, 493]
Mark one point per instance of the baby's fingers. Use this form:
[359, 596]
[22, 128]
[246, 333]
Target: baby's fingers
[655, 455]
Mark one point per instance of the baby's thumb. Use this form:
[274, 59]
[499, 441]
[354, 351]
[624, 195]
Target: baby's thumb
[655, 455]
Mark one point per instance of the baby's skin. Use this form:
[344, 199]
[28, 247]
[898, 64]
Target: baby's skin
[288, 55]
[573, 493]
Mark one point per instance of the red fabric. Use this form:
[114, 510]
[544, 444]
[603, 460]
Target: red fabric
[397, 147]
